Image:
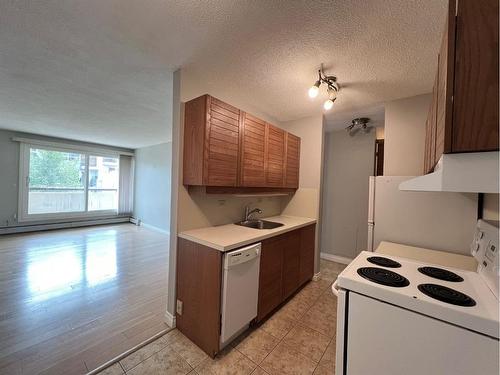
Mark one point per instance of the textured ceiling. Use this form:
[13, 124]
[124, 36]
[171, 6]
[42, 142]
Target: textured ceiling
[100, 70]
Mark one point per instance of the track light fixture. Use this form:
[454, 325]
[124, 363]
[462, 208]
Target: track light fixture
[332, 88]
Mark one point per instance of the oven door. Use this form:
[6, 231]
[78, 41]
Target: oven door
[377, 338]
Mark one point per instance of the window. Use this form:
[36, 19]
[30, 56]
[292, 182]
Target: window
[62, 183]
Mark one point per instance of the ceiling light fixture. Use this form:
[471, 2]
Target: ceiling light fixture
[332, 88]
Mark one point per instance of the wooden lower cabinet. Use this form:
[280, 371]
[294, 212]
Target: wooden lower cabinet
[307, 246]
[199, 276]
[286, 263]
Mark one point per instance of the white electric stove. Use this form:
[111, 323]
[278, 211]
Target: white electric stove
[399, 316]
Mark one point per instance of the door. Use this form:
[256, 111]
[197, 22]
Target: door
[275, 156]
[475, 101]
[291, 263]
[379, 157]
[292, 161]
[270, 275]
[222, 155]
[307, 245]
[253, 171]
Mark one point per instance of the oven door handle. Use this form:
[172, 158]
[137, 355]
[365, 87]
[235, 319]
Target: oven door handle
[335, 288]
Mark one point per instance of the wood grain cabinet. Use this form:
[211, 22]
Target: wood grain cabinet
[226, 147]
[286, 263]
[463, 116]
[211, 142]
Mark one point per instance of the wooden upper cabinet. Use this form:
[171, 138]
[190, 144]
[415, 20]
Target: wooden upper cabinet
[226, 147]
[253, 172]
[275, 156]
[430, 132]
[211, 142]
[475, 102]
[292, 160]
[466, 91]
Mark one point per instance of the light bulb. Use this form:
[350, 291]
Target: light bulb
[313, 91]
[328, 105]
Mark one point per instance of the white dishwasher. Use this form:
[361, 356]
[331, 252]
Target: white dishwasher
[240, 286]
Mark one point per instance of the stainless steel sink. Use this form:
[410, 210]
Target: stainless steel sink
[259, 224]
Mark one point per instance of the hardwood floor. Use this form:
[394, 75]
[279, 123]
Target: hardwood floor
[73, 299]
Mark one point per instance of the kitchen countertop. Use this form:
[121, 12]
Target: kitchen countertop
[232, 236]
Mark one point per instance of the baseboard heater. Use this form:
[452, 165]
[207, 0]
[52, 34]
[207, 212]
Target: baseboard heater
[72, 224]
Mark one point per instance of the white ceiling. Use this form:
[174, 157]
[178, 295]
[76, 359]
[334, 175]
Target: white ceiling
[100, 70]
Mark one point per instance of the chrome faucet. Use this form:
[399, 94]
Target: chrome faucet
[248, 213]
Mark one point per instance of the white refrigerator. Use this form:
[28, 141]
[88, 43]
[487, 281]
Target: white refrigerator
[435, 220]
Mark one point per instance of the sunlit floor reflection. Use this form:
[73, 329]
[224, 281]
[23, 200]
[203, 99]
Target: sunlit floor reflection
[72, 267]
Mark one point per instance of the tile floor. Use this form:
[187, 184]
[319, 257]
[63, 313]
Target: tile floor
[297, 339]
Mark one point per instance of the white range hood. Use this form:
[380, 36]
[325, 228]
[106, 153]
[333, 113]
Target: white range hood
[475, 172]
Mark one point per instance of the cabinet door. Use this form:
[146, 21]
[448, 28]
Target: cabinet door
[291, 263]
[222, 148]
[270, 276]
[307, 245]
[275, 156]
[446, 68]
[292, 160]
[475, 101]
[430, 132]
[253, 151]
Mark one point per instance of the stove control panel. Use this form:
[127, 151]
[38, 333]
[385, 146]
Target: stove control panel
[485, 248]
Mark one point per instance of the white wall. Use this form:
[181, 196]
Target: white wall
[307, 199]
[347, 165]
[490, 207]
[152, 187]
[405, 135]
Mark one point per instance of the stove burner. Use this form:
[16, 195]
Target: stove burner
[384, 277]
[383, 262]
[441, 274]
[447, 295]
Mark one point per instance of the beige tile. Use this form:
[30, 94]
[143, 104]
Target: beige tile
[115, 369]
[309, 294]
[278, 326]
[293, 310]
[307, 341]
[328, 358]
[284, 360]
[320, 284]
[321, 319]
[143, 353]
[259, 371]
[170, 336]
[257, 345]
[327, 301]
[165, 362]
[324, 370]
[227, 362]
[188, 350]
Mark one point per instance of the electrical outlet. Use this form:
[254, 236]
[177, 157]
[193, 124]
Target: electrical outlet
[178, 307]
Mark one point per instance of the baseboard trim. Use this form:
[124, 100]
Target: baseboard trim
[335, 258]
[170, 320]
[62, 225]
[152, 227]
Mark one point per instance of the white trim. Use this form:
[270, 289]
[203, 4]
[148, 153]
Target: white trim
[170, 319]
[63, 225]
[99, 151]
[335, 258]
[152, 227]
[317, 276]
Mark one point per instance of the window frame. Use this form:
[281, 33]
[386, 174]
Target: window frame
[24, 167]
